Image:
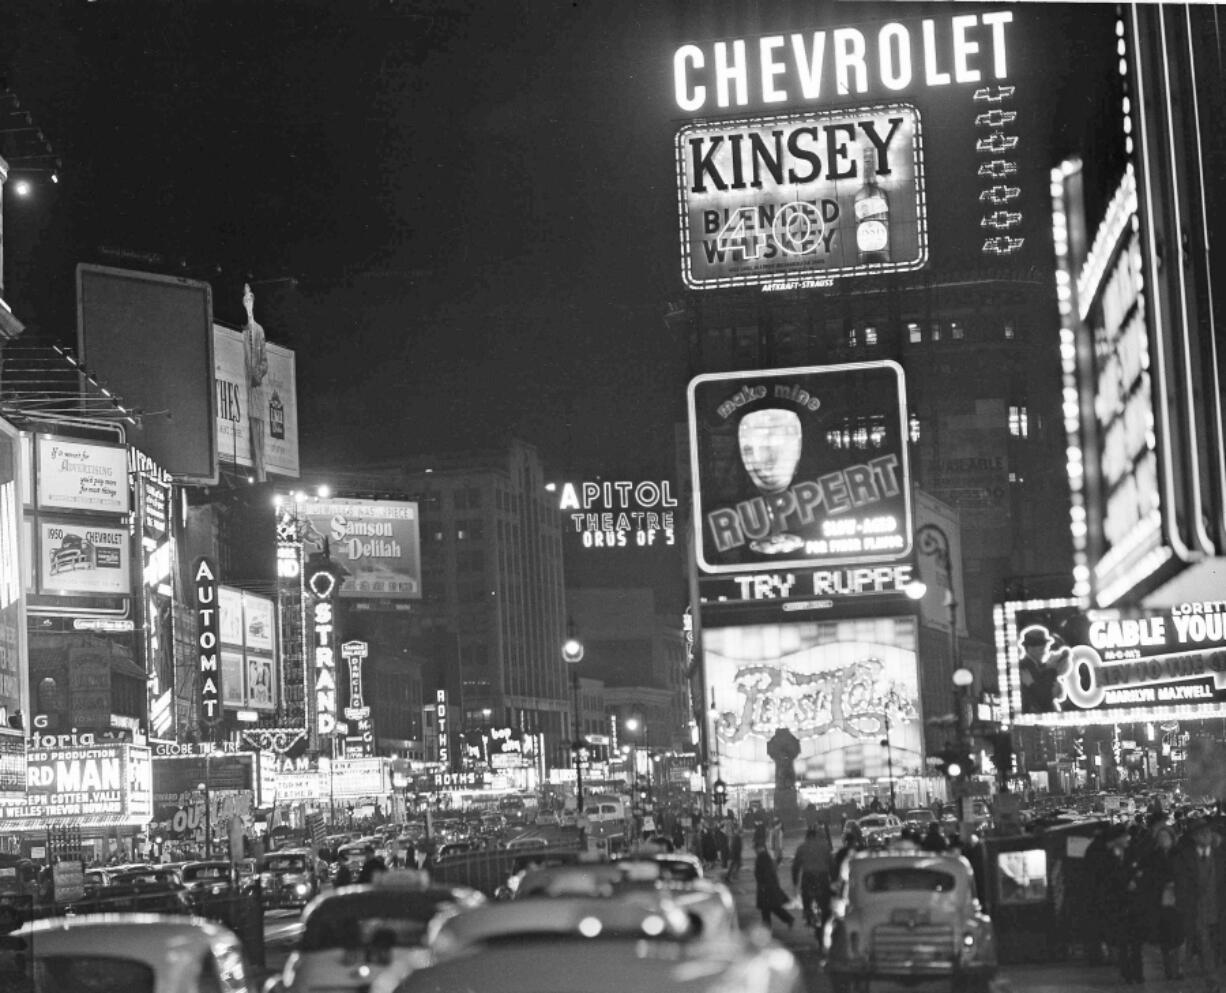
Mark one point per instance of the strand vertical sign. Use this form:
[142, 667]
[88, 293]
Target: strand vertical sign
[204, 580]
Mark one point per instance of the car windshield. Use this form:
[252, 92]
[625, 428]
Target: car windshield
[286, 863]
[370, 920]
[910, 879]
[91, 974]
[194, 872]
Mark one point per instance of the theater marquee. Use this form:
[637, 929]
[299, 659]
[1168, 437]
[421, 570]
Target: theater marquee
[1061, 664]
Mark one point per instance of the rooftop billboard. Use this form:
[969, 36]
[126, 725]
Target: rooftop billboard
[377, 541]
[800, 467]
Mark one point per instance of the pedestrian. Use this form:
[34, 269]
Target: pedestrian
[372, 869]
[343, 876]
[811, 867]
[933, 840]
[1096, 933]
[771, 900]
[776, 840]
[678, 835]
[736, 845]
[1167, 927]
[853, 841]
[709, 846]
[721, 843]
[1124, 901]
[1200, 894]
[759, 832]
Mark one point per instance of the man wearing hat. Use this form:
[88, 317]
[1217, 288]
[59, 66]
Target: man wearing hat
[1037, 669]
[1200, 894]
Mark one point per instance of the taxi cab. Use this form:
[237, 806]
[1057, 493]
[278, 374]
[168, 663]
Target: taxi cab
[135, 953]
[908, 915]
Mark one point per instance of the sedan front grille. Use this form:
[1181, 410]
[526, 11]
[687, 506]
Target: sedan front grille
[918, 944]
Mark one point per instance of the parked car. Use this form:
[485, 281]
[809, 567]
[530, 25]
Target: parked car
[205, 881]
[906, 917]
[288, 878]
[132, 953]
[367, 938]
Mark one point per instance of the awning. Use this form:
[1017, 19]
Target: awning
[86, 823]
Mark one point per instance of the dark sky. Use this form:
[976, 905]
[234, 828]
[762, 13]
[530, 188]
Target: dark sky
[476, 199]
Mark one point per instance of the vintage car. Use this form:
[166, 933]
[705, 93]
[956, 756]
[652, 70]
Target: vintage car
[207, 882]
[367, 938]
[287, 878]
[877, 829]
[642, 940]
[134, 953]
[908, 916]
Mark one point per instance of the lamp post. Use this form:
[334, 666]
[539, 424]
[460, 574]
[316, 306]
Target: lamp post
[638, 727]
[963, 680]
[889, 758]
[572, 655]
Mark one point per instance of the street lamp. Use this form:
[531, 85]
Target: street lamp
[572, 655]
[963, 680]
[208, 818]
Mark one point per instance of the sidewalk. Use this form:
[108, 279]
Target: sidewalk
[1061, 977]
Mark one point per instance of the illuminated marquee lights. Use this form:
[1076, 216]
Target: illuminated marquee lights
[204, 578]
[998, 143]
[618, 514]
[777, 69]
[322, 583]
[1154, 665]
[440, 713]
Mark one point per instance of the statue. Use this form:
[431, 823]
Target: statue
[256, 355]
[783, 749]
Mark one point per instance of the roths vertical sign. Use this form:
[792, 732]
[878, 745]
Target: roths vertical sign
[204, 581]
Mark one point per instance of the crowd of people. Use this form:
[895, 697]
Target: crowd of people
[1159, 880]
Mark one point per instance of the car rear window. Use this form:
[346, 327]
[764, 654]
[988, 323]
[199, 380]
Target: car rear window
[295, 863]
[909, 879]
[369, 920]
[91, 974]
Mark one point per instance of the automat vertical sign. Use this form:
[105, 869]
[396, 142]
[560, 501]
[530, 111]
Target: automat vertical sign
[204, 580]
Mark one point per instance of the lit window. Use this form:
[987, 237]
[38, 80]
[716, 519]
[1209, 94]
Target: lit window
[914, 428]
[1019, 422]
[956, 331]
[870, 336]
[915, 334]
[1010, 332]
[934, 331]
[853, 337]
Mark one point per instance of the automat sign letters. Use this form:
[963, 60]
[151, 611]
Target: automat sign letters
[800, 467]
[804, 195]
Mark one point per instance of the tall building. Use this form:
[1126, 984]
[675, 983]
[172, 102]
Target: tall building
[492, 614]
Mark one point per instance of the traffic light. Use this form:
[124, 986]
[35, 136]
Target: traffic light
[719, 792]
[1002, 755]
[955, 762]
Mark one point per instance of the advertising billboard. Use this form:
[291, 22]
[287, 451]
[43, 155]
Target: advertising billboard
[800, 467]
[150, 339]
[277, 395]
[817, 194]
[377, 541]
[619, 513]
[815, 700]
[1063, 664]
[83, 558]
[75, 780]
[79, 475]
[247, 654]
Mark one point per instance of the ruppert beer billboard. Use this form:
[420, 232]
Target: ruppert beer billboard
[805, 159]
[800, 467]
[1061, 664]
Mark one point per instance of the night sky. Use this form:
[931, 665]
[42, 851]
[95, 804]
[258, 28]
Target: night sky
[475, 200]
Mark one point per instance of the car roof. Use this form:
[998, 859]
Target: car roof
[637, 913]
[156, 939]
[889, 858]
[413, 898]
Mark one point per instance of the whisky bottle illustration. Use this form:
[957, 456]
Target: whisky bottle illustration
[872, 209]
[276, 416]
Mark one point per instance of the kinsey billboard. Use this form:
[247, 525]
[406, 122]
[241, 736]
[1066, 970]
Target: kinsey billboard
[800, 467]
[813, 701]
[377, 541]
[1062, 664]
[803, 195]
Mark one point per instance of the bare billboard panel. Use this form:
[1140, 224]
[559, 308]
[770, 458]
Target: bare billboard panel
[149, 339]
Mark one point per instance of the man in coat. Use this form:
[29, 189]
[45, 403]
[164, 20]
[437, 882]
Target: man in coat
[1200, 894]
[811, 874]
[772, 899]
